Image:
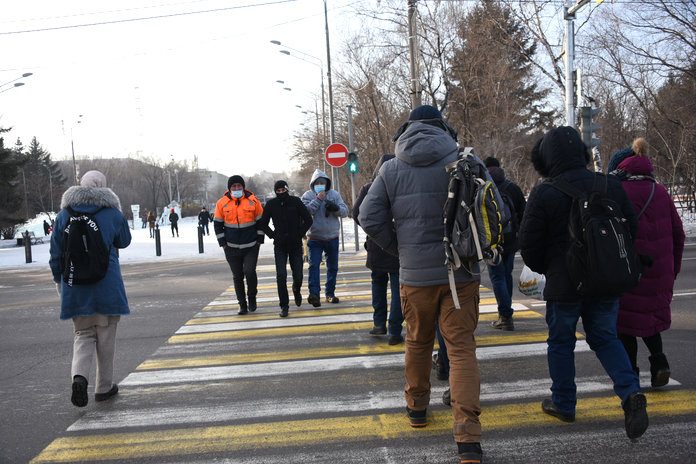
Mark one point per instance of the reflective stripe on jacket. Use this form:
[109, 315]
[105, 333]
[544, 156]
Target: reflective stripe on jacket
[235, 220]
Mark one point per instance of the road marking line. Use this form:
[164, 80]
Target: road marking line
[226, 438]
[242, 371]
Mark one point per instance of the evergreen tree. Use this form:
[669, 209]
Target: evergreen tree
[45, 180]
[11, 211]
[495, 103]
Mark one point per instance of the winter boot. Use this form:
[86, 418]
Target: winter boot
[503, 323]
[635, 415]
[252, 303]
[659, 370]
[79, 391]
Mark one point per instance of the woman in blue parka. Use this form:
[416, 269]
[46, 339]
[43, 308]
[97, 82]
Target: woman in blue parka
[95, 309]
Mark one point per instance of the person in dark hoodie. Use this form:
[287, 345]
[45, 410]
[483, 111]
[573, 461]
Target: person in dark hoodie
[385, 269]
[95, 309]
[325, 205]
[501, 273]
[544, 241]
[174, 221]
[204, 220]
[291, 220]
[237, 230]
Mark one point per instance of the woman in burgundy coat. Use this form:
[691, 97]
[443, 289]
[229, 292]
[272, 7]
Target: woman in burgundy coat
[645, 311]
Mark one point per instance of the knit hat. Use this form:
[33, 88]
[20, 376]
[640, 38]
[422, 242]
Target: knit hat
[617, 158]
[93, 179]
[424, 112]
[491, 162]
[235, 180]
[280, 184]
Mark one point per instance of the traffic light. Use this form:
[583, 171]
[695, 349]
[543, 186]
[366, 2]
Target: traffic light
[587, 128]
[353, 163]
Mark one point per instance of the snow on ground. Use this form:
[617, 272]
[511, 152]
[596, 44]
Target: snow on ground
[142, 247]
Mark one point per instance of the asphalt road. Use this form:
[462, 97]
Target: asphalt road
[313, 388]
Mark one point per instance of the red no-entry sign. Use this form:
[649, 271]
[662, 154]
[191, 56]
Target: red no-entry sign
[336, 154]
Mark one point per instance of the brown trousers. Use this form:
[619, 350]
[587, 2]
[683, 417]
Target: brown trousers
[423, 308]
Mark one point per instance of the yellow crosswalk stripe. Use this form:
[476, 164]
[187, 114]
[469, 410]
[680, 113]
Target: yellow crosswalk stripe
[386, 426]
[330, 352]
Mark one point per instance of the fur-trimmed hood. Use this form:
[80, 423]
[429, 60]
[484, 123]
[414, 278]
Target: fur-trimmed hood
[89, 198]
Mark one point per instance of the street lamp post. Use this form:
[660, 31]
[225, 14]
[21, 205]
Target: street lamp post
[50, 183]
[178, 195]
[72, 147]
[16, 84]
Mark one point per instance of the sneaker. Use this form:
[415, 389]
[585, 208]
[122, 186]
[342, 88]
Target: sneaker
[635, 415]
[417, 419]
[332, 299]
[283, 312]
[378, 331]
[79, 391]
[469, 453]
[107, 395]
[314, 300]
[550, 408]
[440, 371]
[447, 398]
[395, 340]
[503, 323]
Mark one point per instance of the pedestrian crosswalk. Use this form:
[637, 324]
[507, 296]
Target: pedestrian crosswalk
[315, 387]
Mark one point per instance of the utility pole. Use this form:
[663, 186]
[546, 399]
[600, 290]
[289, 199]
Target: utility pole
[351, 148]
[413, 54]
[569, 16]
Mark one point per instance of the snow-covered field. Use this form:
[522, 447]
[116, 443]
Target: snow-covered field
[142, 247]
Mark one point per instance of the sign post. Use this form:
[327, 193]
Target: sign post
[336, 155]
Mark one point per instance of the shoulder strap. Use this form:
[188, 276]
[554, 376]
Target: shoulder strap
[645, 206]
[564, 186]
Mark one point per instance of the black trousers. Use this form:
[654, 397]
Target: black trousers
[175, 227]
[243, 265]
[282, 255]
[205, 227]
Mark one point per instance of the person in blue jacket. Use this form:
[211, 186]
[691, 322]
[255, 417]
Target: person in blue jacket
[95, 309]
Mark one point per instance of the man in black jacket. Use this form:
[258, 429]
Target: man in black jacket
[204, 220]
[291, 221]
[501, 273]
[544, 241]
[385, 269]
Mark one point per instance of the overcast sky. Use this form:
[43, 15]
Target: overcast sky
[195, 84]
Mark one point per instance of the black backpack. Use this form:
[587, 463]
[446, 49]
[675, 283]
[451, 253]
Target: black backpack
[511, 226]
[85, 256]
[601, 259]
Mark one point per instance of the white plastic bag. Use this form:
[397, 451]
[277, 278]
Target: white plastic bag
[532, 284]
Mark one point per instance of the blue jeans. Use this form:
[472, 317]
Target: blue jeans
[501, 278]
[379, 301]
[599, 320]
[316, 248]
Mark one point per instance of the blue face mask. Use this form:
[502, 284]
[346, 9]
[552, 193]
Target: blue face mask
[318, 188]
[237, 193]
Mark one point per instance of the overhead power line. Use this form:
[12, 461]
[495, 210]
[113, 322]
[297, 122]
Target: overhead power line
[146, 18]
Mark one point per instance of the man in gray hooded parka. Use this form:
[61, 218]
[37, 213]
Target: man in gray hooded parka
[403, 213]
[326, 206]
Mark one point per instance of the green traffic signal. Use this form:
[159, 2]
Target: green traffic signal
[353, 163]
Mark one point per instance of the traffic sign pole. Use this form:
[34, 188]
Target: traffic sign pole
[352, 175]
[336, 155]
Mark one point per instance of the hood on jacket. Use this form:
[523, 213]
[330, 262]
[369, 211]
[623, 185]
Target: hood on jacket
[497, 174]
[317, 174]
[90, 199]
[561, 149]
[637, 166]
[422, 144]
[383, 159]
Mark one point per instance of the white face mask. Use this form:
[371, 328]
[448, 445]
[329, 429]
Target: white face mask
[237, 193]
[318, 188]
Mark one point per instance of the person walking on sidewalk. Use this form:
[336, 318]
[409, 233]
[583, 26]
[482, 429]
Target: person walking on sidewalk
[645, 310]
[174, 221]
[204, 220]
[151, 219]
[402, 213]
[544, 240]
[236, 224]
[326, 206]
[501, 273]
[95, 308]
[291, 220]
[385, 269]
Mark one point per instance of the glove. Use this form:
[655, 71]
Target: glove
[331, 206]
[58, 288]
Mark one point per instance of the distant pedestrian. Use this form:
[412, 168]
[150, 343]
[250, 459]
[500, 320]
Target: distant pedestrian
[174, 222]
[501, 273]
[151, 220]
[95, 308]
[544, 240]
[645, 311]
[47, 228]
[325, 206]
[291, 220]
[204, 220]
[403, 214]
[385, 270]
[237, 228]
